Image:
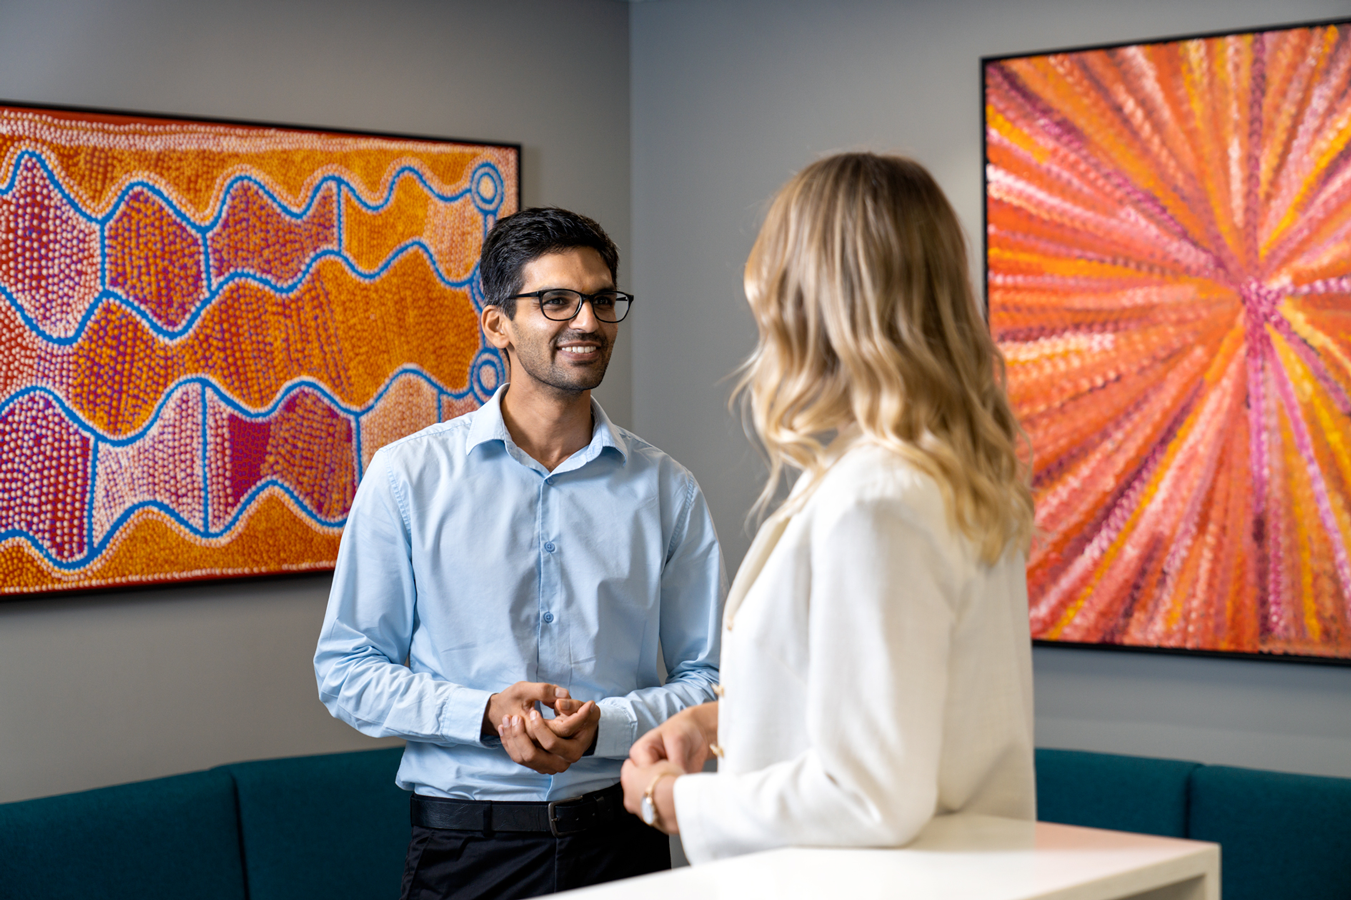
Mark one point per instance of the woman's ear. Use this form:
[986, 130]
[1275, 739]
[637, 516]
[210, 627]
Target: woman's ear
[495, 326]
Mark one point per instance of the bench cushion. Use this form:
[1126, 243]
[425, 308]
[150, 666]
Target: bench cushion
[1122, 793]
[170, 837]
[1280, 835]
[327, 827]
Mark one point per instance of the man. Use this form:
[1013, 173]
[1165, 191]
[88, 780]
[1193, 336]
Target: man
[537, 567]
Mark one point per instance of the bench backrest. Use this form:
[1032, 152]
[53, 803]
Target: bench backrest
[329, 827]
[335, 827]
[1121, 793]
[170, 837]
[1282, 837]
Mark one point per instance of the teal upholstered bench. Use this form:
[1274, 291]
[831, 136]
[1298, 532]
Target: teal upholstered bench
[1122, 793]
[335, 828]
[171, 837]
[328, 827]
[1281, 836]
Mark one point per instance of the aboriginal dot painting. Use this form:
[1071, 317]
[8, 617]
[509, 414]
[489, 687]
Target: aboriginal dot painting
[1169, 276]
[206, 330]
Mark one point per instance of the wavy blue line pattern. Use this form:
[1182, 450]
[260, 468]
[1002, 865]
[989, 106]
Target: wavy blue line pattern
[109, 295]
[199, 458]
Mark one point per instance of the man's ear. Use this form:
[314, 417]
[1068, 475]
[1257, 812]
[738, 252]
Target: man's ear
[494, 322]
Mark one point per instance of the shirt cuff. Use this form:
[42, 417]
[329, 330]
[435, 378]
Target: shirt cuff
[616, 733]
[462, 720]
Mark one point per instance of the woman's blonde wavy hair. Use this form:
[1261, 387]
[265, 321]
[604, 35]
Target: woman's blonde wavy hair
[859, 286]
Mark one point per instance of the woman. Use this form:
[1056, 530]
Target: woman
[876, 662]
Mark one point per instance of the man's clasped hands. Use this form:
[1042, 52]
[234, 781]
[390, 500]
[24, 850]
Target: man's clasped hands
[548, 746]
[680, 745]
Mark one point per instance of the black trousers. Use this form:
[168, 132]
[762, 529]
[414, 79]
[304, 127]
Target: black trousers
[464, 865]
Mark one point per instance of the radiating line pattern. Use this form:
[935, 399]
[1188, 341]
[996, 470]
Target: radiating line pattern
[207, 330]
[1169, 277]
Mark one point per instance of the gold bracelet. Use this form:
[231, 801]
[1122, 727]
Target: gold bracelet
[649, 807]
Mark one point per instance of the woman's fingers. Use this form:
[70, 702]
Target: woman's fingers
[678, 739]
[630, 776]
[648, 749]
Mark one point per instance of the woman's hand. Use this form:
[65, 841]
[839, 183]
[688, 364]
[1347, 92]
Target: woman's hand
[684, 739]
[679, 745]
[661, 777]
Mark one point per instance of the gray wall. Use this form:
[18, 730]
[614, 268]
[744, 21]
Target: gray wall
[729, 99]
[117, 687]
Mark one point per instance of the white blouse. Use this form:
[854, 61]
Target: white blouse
[875, 673]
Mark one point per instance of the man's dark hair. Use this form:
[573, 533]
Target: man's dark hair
[529, 234]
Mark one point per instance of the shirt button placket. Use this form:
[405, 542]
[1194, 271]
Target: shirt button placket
[552, 653]
[549, 548]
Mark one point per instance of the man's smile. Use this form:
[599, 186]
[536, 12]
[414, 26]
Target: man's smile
[581, 351]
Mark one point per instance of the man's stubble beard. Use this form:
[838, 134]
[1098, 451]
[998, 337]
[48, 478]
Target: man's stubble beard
[541, 368]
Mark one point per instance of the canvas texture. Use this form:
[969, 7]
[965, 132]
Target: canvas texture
[1169, 279]
[206, 330]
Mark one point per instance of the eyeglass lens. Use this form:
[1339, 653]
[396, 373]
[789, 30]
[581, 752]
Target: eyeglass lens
[609, 306]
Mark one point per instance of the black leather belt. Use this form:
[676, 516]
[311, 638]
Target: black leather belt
[559, 817]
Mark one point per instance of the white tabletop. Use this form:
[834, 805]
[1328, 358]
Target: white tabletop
[955, 858]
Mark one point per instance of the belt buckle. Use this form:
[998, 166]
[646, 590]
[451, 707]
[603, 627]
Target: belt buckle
[553, 819]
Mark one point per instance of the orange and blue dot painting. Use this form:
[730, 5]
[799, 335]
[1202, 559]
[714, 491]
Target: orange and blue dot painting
[206, 330]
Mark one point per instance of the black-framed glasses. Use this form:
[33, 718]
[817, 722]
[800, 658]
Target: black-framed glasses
[561, 304]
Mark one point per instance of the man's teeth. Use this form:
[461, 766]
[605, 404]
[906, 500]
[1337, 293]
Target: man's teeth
[578, 351]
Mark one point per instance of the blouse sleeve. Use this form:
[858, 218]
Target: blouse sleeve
[880, 623]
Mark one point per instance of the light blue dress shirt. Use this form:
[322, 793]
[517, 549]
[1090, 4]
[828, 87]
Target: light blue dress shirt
[470, 560]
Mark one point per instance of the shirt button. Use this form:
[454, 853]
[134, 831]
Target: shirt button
[549, 547]
[548, 617]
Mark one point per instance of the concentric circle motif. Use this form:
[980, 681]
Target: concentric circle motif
[1169, 274]
[489, 374]
[207, 331]
[487, 188]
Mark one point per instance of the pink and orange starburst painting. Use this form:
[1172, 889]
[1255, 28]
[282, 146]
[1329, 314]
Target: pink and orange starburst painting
[1169, 275]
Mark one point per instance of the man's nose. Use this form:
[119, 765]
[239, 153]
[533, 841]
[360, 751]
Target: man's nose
[585, 320]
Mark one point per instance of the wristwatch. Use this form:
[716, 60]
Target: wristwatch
[649, 807]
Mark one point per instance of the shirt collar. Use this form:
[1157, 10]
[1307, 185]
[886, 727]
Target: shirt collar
[488, 425]
[605, 434]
